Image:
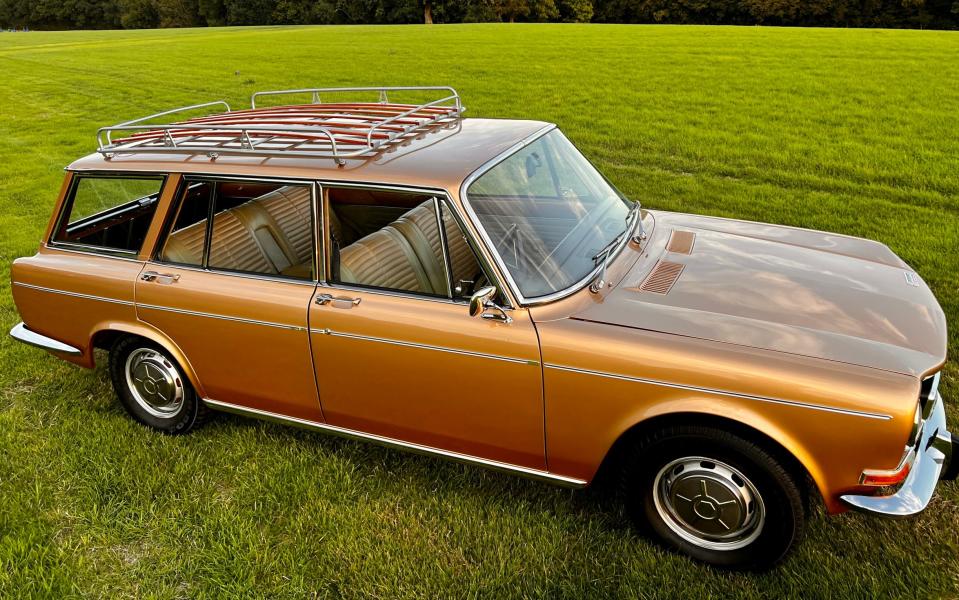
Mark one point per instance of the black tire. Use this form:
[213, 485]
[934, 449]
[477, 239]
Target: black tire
[768, 516]
[174, 417]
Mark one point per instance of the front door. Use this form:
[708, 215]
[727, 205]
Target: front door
[396, 352]
[234, 296]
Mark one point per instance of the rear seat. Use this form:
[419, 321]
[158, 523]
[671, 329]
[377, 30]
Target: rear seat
[270, 234]
[290, 208]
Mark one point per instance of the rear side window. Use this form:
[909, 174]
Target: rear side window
[259, 228]
[108, 213]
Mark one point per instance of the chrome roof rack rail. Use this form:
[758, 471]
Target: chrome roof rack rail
[137, 124]
[317, 129]
[383, 92]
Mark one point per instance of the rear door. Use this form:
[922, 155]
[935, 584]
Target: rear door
[230, 284]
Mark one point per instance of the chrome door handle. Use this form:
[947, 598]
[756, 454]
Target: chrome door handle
[323, 299]
[164, 278]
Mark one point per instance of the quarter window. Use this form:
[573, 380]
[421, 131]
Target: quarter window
[468, 276]
[260, 228]
[109, 213]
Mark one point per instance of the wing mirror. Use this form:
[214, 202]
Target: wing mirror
[483, 300]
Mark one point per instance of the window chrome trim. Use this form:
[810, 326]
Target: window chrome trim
[91, 249]
[241, 274]
[61, 247]
[464, 302]
[444, 246]
[385, 292]
[400, 444]
[680, 386]
[194, 313]
[73, 294]
[390, 187]
[368, 338]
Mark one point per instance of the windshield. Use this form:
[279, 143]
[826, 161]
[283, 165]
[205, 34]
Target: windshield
[548, 213]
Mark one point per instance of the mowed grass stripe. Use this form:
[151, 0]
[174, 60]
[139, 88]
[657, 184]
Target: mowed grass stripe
[842, 130]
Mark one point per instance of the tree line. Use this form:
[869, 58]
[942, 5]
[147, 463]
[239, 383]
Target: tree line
[145, 14]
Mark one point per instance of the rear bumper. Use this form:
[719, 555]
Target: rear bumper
[937, 457]
[22, 334]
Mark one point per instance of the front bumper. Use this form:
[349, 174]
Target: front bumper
[22, 334]
[936, 450]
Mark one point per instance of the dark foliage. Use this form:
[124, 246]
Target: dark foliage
[134, 14]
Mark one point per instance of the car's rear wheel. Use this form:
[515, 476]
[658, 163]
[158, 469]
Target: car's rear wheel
[714, 496]
[152, 387]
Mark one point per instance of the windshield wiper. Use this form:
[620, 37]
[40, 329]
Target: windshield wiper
[606, 254]
[634, 210]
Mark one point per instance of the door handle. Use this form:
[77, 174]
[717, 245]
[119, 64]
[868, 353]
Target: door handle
[323, 299]
[164, 278]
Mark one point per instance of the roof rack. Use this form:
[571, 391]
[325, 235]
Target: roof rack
[317, 129]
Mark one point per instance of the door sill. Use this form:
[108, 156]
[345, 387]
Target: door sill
[571, 482]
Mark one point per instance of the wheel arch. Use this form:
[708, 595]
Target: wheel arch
[105, 335]
[788, 451]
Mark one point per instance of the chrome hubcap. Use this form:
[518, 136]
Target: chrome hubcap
[709, 503]
[154, 383]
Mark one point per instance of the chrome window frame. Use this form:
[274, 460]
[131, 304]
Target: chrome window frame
[514, 287]
[439, 195]
[154, 256]
[67, 206]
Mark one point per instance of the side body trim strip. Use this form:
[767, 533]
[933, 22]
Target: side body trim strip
[350, 433]
[680, 386]
[423, 346]
[74, 294]
[223, 317]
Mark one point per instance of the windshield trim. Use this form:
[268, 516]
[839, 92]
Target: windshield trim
[500, 263]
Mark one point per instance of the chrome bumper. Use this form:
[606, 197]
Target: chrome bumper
[22, 334]
[937, 447]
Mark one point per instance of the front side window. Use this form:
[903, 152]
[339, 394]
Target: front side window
[548, 213]
[109, 213]
[257, 228]
[392, 241]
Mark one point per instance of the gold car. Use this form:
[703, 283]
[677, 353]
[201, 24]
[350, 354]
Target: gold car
[475, 288]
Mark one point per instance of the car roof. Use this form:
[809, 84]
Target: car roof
[440, 157]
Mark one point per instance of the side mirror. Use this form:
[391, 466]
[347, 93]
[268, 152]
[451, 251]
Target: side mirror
[483, 300]
[479, 299]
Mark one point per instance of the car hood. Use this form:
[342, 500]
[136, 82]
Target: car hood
[783, 289]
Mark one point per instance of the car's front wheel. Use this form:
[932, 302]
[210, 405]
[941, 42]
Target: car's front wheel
[715, 496]
[152, 387]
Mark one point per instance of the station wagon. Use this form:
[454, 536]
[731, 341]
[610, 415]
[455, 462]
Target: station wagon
[475, 289]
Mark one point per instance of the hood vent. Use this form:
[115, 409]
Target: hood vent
[661, 279]
[681, 242]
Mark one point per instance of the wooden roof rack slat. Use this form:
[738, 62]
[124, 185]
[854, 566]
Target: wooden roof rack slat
[337, 130]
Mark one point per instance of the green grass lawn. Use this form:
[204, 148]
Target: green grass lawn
[842, 130]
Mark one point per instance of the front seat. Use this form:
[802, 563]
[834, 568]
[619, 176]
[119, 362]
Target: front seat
[419, 228]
